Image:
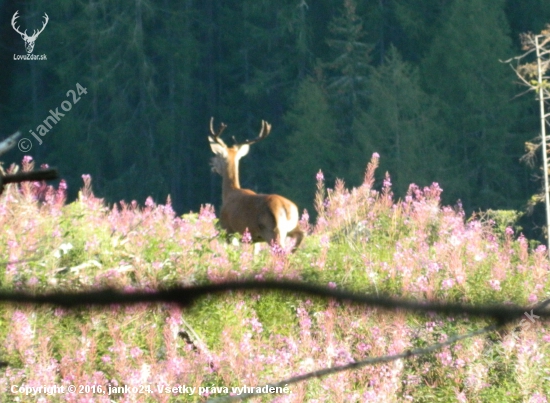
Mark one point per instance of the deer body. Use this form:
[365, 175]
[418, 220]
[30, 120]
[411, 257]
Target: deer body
[268, 218]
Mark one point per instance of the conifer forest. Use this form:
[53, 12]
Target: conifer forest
[421, 82]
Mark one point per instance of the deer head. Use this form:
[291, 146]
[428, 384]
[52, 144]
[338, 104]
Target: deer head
[29, 40]
[268, 218]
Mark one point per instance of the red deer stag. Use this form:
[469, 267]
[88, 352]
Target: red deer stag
[268, 218]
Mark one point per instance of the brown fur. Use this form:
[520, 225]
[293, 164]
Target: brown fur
[268, 218]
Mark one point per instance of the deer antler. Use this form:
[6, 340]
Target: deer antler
[216, 136]
[264, 132]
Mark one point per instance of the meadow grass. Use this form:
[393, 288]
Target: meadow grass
[364, 240]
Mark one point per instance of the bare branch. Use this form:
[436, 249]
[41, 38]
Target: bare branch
[41, 175]
[9, 143]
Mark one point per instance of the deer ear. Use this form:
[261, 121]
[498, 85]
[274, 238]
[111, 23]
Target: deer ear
[243, 150]
[217, 148]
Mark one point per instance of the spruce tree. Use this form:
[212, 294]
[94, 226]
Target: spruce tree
[311, 146]
[402, 125]
[463, 69]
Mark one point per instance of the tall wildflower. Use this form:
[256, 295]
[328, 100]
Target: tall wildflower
[27, 187]
[205, 225]
[319, 202]
[21, 336]
[86, 191]
[304, 222]
[368, 179]
[387, 194]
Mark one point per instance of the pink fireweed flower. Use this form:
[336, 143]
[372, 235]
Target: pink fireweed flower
[207, 213]
[495, 285]
[304, 221]
[422, 284]
[256, 325]
[459, 363]
[433, 192]
[433, 267]
[305, 217]
[320, 177]
[375, 155]
[149, 202]
[277, 250]
[387, 181]
[246, 238]
[324, 241]
[445, 358]
[27, 163]
[135, 352]
[461, 397]
[537, 398]
[60, 194]
[11, 269]
[448, 283]
[32, 282]
[87, 188]
[509, 231]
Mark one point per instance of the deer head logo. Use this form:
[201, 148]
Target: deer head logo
[29, 40]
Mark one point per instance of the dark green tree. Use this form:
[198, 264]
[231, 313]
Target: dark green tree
[346, 75]
[111, 132]
[347, 70]
[133, 130]
[311, 146]
[419, 22]
[463, 70]
[402, 125]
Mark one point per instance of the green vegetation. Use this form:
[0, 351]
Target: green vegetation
[363, 240]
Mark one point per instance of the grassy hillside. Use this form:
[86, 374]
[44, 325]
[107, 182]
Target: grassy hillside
[363, 240]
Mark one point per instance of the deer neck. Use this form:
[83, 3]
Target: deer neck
[230, 181]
